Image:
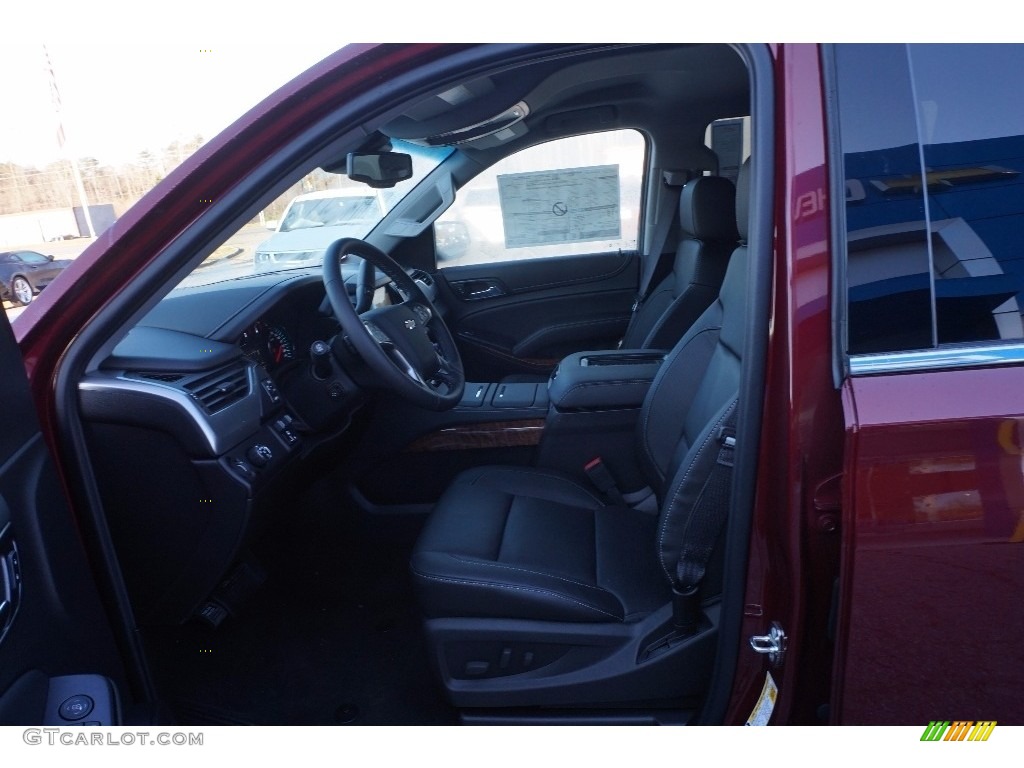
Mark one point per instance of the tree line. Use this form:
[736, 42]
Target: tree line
[29, 188]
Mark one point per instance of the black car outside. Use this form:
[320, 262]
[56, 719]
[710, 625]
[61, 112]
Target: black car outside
[23, 274]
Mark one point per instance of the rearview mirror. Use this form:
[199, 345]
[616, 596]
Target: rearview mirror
[380, 170]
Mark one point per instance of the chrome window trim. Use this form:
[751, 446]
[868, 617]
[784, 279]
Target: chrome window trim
[937, 359]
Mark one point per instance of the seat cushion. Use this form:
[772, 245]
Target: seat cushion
[525, 543]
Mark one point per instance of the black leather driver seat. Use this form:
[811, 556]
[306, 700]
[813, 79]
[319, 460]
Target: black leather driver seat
[537, 590]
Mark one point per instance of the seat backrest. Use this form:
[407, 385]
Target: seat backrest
[694, 392]
[707, 237]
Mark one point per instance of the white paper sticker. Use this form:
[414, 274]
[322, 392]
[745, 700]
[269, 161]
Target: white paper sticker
[765, 703]
[572, 205]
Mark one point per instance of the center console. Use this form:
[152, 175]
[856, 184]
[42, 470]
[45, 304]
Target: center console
[603, 380]
[514, 395]
[595, 399]
[588, 408]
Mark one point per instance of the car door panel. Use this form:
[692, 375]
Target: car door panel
[55, 625]
[523, 316]
[935, 500]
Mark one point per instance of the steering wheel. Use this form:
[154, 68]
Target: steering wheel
[406, 345]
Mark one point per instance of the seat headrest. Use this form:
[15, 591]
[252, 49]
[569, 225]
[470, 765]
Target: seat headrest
[743, 199]
[707, 209]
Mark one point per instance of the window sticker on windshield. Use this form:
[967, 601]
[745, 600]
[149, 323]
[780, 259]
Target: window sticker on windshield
[765, 702]
[571, 205]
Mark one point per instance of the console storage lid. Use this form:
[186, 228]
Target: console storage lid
[604, 379]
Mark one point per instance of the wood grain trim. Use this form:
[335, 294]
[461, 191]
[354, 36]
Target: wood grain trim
[492, 434]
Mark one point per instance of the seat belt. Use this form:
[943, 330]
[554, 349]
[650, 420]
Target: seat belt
[642, 500]
[702, 531]
[673, 182]
[669, 205]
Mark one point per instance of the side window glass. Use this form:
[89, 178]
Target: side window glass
[729, 139]
[933, 149]
[971, 119]
[576, 195]
[888, 267]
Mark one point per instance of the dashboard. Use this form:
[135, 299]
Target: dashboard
[200, 417]
[224, 357]
[215, 364]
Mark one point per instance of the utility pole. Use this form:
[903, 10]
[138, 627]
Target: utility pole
[75, 173]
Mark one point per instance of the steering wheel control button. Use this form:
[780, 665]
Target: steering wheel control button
[76, 707]
[336, 391]
[422, 313]
[259, 455]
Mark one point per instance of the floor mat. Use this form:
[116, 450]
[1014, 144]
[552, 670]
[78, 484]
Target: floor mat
[333, 636]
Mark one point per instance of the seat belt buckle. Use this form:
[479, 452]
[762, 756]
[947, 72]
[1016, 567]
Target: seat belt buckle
[727, 442]
[686, 611]
[726, 436]
[602, 479]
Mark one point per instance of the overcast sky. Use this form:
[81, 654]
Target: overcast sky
[119, 99]
[135, 75]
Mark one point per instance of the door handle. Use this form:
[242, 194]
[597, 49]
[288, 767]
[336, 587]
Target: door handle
[474, 290]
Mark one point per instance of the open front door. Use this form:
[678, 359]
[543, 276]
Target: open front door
[59, 663]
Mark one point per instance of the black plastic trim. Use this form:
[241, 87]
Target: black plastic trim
[837, 214]
[760, 240]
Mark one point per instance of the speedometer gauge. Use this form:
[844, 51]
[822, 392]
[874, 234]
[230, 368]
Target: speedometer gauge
[279, 346]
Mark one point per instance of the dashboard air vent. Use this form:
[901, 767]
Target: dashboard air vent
[423, 277]
[216, 391]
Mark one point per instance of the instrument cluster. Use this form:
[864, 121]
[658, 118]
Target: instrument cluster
[267, 344]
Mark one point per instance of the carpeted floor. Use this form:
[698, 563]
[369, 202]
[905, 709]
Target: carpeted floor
[332, 637]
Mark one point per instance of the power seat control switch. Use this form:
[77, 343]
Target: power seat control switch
[259, 455]
[10, 573]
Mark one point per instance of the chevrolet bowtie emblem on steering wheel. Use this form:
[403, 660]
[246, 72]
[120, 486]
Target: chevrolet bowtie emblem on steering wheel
[410, 324]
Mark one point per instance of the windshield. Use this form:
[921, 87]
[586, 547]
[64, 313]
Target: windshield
[31, 257]
[331, 211]
[294, 230]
